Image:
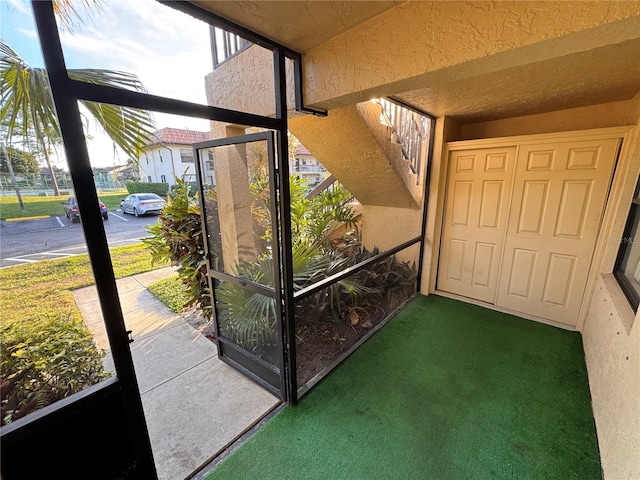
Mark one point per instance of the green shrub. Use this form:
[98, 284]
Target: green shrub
[47, 352]
[161, 189]
[44, 360]
[177, 237]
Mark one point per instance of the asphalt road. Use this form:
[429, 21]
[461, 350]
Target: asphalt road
[28, 241]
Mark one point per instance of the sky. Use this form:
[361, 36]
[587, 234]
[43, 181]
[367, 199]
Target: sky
[168, 51]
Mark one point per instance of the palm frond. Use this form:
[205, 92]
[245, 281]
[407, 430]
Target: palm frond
[25, 95]
[68, 13]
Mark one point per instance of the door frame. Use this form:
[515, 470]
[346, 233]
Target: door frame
[271, 377]
[621, 166]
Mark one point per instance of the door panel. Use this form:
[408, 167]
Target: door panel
[242, 252]
[558, 200]
[476, 209]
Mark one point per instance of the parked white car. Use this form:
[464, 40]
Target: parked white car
[142, 203]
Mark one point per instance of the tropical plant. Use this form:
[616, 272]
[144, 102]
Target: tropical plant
[27, 107]
[324, 244]
[178, 237]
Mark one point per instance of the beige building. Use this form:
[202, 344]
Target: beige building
[503, 137]
[535, 159]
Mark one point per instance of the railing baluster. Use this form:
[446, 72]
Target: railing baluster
[231, 45]
[409, 129]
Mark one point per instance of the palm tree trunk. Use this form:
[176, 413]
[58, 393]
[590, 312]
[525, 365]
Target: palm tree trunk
[13, 177]
[56, 190]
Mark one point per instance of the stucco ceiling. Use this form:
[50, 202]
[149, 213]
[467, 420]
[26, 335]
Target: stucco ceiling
[601, 75]
[296, 24]
[596, 75]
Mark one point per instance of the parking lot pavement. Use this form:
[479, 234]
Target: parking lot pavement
[31, 240]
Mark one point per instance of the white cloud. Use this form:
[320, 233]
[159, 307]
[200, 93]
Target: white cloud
[167, 50]
[28, 32]
[20, 6]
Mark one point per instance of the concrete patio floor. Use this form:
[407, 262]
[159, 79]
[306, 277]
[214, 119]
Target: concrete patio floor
[195, 405]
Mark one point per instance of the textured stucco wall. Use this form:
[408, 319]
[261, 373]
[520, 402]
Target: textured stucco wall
[613, 361]
[413, 182]
[422, 43]
[245, 83]
[446, 130]
[435, 44]
[385, 228]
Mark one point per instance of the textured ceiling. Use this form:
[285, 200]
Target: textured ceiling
[299, 25]
[601, 75]
[597, 75]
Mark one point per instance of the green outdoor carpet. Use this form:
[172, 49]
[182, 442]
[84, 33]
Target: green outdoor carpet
[446, 390]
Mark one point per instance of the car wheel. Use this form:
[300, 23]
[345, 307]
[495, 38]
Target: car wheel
[75, 220]
[105, 216]
[135, 212]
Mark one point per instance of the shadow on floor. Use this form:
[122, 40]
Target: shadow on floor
[194, 404]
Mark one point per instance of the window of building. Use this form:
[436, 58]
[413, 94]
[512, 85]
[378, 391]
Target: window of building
[149, 178]
[163, 178]
[627, 268]
[186, 155]
[147, 158]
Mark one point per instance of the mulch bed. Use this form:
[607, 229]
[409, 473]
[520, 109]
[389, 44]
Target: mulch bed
[318, 343]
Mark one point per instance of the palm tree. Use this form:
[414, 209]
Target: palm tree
[26, 101]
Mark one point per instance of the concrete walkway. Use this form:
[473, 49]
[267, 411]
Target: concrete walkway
[195, 405]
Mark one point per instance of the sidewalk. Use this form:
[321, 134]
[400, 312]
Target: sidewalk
[195, 405]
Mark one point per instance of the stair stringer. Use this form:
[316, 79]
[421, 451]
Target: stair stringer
[370, 113]
[346, 146]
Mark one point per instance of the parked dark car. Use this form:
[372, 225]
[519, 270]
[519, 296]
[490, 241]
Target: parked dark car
[72, 212]
[142, 203]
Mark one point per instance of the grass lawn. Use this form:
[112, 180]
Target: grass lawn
[49, 206]
[48, 353]
[44, 288]
[170, 291]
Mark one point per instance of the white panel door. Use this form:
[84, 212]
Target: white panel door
[559, 194]
[476, 210]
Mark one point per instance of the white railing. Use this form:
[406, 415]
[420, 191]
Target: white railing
[308, 169]
[408, 128]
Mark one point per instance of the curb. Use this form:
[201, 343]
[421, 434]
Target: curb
[35, 217]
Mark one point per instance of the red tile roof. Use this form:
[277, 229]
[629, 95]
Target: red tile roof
[301, 150]
[177, 136]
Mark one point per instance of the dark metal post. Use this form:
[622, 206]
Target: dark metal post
[80, 168]
[425, 202]
[286, 260]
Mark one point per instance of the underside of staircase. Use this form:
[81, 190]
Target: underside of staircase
[357, 149]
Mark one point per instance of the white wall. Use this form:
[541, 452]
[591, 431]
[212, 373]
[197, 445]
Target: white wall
[165, 160]
[611, 333]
